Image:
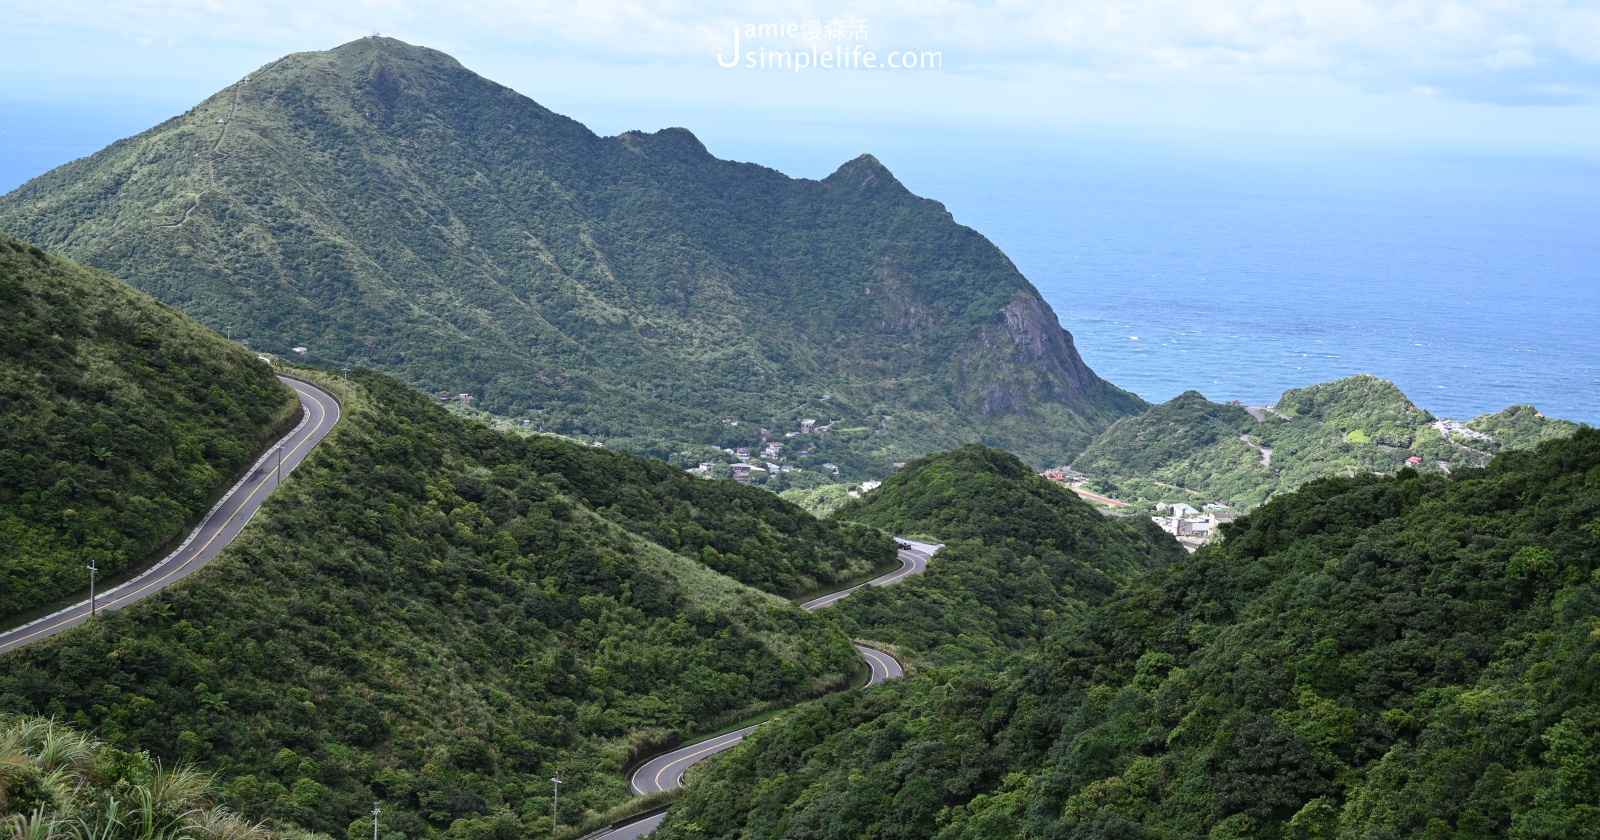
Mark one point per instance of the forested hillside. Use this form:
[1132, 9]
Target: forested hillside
[119, 420]
[56, 782]
[1404, 656]
[443, 617]
[1021, 554]
[380, 204]
[1195, 451]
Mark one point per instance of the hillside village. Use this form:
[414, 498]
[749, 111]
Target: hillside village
[771, 455]
[1192, 527]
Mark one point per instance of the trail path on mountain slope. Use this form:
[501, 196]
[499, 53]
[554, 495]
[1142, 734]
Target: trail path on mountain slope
[216, 148]
[665, 772]
[1266, 451]
[214, 533]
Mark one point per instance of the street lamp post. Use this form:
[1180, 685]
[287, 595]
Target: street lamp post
[375, 812]
[92, 569]
[555, 806]
[346, 380]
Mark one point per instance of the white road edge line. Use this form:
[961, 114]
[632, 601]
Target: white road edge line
[182, 547]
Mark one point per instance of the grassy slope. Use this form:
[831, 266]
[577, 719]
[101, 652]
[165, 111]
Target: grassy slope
[442, 617]
[1021, 554]
[381, 204]
[1367, 657]
[119, 420]
[58, 782]
[1188, 449]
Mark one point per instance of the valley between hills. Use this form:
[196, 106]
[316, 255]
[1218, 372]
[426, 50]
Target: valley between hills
[441, 605]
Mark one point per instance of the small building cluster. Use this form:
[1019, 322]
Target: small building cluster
[1068, 477]
[865, 488]
[770, 454]
[1190, 526]
[1457, 429]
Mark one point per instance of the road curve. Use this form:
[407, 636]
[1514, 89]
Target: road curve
[882, 665]
[913, 561]
[215, 532]
[665, 772]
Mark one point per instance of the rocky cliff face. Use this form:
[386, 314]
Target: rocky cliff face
[380, 204]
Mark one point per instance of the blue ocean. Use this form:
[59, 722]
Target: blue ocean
[1472, 282]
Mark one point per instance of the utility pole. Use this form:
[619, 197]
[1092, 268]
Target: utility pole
[555, 806]
[277, 475]
[92, 569]
[375, 812]
[346, 381]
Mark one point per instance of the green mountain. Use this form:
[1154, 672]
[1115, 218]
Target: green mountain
[119, 421]
[1407, 656]
[379, 204]
[1022, 553]
[1191, 450]
[1518, 427]
[442, 617]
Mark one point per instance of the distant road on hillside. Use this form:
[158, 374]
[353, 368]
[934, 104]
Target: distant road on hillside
[913, 561]
[215, 532]
[665, 772]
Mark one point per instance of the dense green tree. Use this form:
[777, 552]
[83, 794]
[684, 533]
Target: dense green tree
[1021, 554]
[442, 616]
[1406, 656]
[119, 421]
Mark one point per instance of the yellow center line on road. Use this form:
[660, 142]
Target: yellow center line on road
[125, 598]
[878, 663]
[903, 572]
[876, 658]
[669, 766]
[839, 596]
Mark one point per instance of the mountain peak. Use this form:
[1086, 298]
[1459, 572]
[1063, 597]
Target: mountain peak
[380, 204]
[373, 45]
[673, 140]
[862, 171]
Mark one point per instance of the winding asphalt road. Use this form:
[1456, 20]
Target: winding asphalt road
[219, 528]
[913, 561]
[665, 772]
[215, 531]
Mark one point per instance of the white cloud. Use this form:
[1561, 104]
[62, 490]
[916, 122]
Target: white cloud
[1471, 49]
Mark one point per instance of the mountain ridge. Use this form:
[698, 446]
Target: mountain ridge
[380, 204]
[1192, 450]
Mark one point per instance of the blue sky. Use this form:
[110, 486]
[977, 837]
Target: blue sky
[1498, 77]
